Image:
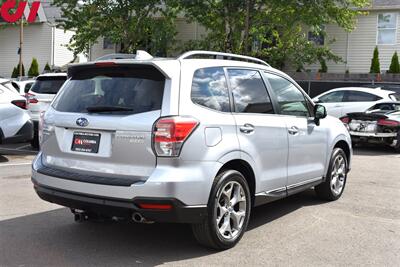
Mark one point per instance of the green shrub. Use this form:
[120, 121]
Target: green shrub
[394, 66]
[47, 67]
[375, 65]
[34, 69]
[23, 70]
[15, 73]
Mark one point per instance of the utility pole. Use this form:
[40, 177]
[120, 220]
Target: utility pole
[21, 42]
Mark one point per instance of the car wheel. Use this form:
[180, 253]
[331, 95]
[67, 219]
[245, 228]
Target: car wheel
[35, 142]
[336, 177]
[228, 212]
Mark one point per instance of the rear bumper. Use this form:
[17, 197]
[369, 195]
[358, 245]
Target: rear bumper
[373, 134]
[179, 213]
[187, 188]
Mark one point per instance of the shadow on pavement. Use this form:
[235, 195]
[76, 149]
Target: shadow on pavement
[21, 149]
[371, 150]
[3, 159]
[53, 239]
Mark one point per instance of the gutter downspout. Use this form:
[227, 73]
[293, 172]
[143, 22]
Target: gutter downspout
[52, 46]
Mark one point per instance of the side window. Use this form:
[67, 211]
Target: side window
[355, 96]
[209, 89]
[333, 97]
[290, 99]
[249, 92]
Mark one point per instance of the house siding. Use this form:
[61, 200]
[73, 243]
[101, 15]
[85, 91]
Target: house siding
[37, 43]
[356, 47]
[62, 55]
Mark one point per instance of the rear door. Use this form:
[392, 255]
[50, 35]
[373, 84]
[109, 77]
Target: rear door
[308, 143]
[101, 122]
[262, 135]
[333, 103]
[42, 93]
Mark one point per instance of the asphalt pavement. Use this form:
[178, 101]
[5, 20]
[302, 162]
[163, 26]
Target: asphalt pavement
[360, 229]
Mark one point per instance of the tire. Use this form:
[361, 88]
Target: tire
[333, 186]
[35, 141]
[209, 233]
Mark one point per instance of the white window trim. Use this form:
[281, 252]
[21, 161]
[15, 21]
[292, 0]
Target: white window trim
[395, 29]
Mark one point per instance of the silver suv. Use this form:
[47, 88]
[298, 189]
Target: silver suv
[199, 139]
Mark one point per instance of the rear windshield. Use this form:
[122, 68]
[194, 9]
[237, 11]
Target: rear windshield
[123, 89]
[48, 85]
[395, 96]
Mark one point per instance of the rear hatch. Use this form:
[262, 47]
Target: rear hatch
[42, 93]
[100, 125]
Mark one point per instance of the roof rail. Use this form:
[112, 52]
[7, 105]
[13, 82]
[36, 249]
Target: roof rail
[220, 54]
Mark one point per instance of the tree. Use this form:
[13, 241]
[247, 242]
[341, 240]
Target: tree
[375, 65]
[14, 73]
[394, 65]
[34, 69]
[23, 70]
[47, 67]
[272, 29]
[324, 67]
[132, 25]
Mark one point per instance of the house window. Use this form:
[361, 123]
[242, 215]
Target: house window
[317, 38]
[387, 25]
[107, 43]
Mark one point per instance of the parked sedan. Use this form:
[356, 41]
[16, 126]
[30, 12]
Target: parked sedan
[380, 124]
[341, 101]
[15, 123]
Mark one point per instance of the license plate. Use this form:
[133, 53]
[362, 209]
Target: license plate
[86, 142]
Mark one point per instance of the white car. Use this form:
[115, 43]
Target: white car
[15, 123]
[22, 87]
[40, 96]
[340, 101]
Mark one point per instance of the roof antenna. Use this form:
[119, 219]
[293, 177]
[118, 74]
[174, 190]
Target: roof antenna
[143, 55]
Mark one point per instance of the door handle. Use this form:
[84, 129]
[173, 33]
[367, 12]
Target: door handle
[337, 106]
[293, 130]
[247, 128]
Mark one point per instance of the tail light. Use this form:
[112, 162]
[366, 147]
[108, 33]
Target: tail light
[345, 120]
[386, 122]
[170, 133]
[19, 103]
[31, 98]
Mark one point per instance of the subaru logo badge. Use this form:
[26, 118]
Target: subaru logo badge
[82, 122]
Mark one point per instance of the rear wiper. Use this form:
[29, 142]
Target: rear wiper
[107, 109]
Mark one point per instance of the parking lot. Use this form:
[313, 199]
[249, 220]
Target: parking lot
[361, 228]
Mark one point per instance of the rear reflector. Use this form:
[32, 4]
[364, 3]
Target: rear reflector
[152, 206]
[170, 133]
[19, 103]
[386, 122]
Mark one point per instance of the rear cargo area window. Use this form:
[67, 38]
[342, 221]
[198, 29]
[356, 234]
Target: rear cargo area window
[48, 85]
[114, 90]
[209, 89]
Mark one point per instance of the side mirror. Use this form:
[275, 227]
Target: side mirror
[319, 113]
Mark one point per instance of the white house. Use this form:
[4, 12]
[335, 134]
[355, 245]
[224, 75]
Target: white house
[43, 40]
[380, 27]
